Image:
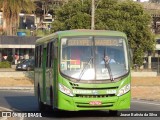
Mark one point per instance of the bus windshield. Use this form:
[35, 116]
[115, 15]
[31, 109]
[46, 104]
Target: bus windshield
[87, 58]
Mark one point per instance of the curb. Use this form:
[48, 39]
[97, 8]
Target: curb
[18, 88]
[142, 99]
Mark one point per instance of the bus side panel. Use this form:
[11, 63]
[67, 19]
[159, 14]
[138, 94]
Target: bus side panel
[43, 85]
[35, 82]
[55, 73]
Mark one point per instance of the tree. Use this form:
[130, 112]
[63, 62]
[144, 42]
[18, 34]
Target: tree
[126, 16]
[73, 15]
[51, 5]
[130, 18]
[11, 10]
[154, 1]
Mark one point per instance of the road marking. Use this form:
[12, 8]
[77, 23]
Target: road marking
[146, 102]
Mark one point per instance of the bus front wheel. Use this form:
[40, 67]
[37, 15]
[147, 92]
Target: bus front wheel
[41, 106]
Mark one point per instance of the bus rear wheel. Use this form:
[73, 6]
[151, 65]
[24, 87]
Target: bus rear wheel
[41, 106]
[51, 98]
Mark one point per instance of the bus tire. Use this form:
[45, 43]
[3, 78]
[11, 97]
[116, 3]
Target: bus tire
[41, 106]
[113, 112]
[51, 97]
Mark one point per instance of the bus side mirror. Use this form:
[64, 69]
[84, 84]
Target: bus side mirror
[131, 54]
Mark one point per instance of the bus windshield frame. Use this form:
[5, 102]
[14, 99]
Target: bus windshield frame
[83, 57]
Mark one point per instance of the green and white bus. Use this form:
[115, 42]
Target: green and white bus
[72, 72]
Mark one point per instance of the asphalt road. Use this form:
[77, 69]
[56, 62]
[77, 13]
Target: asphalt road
[24, 100]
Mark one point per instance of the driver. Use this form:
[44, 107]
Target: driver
[107, 59]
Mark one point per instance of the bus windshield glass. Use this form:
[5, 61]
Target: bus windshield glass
[86, 58]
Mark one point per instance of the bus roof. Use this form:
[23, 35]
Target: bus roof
[80, 32]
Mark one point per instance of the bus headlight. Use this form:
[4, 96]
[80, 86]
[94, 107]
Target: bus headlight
[124, 90]
[65, 90]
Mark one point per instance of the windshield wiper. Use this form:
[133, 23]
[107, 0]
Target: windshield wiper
[84, 69]
[106, 62]
[109, 71]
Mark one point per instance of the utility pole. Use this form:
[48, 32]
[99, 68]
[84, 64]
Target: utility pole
[93, 15]
[158, 70]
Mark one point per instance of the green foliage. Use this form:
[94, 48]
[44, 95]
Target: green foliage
[154, 1]
[38, 32]
[41, 33]
[11, 10]
[27, 31]
[74, 15]
[126, 16]
[5, 64]
[10, 59]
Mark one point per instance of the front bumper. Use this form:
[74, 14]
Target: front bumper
[108, 103]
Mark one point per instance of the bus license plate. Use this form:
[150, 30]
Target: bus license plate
[95, 103]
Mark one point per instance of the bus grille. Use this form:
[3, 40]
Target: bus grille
[94, 96]
[76, 86]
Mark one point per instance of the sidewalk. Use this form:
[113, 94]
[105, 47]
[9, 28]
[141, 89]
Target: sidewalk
[16, 82]
[7, 69]
[18, 88]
